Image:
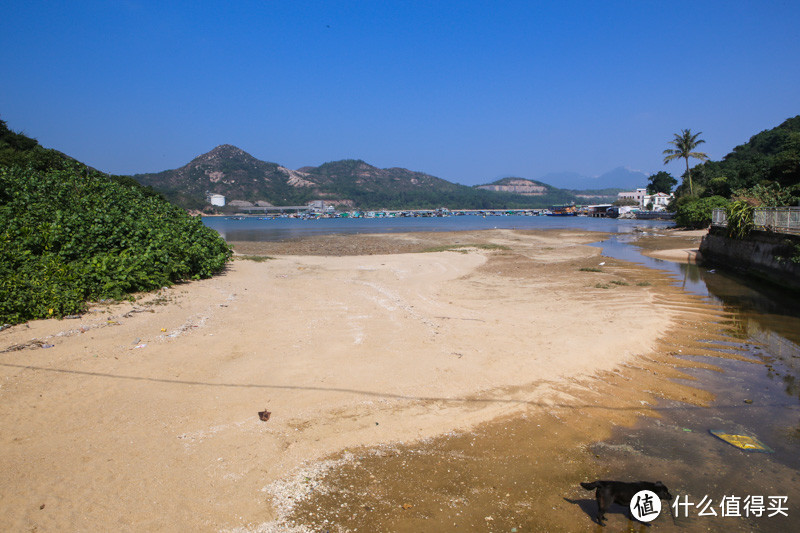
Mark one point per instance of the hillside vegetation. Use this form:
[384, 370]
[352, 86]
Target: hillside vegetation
[765, 171]
[769, 159]
[351, 183]
[69, 234]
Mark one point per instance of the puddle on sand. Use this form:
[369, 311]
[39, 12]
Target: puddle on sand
[758, 399]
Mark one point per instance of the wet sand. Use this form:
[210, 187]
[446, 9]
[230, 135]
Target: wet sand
[677, 245]
[409, 391]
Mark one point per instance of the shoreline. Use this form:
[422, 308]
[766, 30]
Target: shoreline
[346, 352]
[675, 245]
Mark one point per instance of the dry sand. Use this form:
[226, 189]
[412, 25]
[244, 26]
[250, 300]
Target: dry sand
[143, 416]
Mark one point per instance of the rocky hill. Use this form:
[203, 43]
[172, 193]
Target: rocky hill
[234, 173]
[521, 186]
[240, 177]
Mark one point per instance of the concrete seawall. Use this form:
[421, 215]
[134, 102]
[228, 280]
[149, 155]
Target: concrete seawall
[762, 254]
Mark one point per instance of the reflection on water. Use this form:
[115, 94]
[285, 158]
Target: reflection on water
[762, 400]
[761, 314]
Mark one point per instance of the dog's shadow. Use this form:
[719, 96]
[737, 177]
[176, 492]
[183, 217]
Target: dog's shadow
[589, 506]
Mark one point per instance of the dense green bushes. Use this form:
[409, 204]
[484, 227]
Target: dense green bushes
[67, 236]
[695, 213]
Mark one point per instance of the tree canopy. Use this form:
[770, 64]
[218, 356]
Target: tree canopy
[685, 143]
[661, 182]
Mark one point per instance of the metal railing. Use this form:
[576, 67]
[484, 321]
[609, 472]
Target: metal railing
[719, 217]
[776, 219]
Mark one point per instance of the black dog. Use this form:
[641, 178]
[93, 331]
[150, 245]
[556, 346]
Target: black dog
[609, 492]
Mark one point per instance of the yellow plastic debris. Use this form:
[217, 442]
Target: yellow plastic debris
[743, 442]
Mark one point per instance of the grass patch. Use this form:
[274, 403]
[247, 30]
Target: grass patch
[620, 282]
[643, 284]
[464, 248]
[591, 269]
[256, 258]
[160, 300]
[602, 286]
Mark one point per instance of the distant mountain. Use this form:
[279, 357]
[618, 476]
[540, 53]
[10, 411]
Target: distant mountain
[563, 180]
[241, 178]
[232, 172]
[618, 178]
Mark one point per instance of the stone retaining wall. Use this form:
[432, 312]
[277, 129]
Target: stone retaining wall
[761, 254]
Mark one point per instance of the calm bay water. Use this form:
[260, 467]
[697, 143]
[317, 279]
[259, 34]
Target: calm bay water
[255, 229]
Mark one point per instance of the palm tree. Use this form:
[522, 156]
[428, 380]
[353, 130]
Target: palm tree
[684, 142]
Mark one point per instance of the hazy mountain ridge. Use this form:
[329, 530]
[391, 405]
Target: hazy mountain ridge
[528, 187]
[618, 178]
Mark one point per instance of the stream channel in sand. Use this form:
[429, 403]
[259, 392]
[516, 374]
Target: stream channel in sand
[763, 400]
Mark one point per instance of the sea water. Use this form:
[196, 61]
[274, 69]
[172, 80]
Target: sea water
[262, 229]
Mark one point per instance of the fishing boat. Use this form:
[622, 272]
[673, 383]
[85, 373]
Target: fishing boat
[563, 211]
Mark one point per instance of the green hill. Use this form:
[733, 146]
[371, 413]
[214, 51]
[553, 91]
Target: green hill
[770, 158]
[349, 183]
[69, 234]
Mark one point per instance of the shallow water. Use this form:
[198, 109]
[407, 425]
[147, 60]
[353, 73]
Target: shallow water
[761, 400]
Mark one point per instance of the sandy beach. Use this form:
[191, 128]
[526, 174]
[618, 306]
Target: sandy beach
[143, 415]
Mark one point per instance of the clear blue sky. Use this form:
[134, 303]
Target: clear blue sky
[465, 90]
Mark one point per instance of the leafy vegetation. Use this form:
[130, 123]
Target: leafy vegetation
[661, 182]
[69, 234]
[685, 143]
[740, 218]
[768, 163]
[695, 213]
[763, 172]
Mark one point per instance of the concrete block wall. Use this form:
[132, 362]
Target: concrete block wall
[757, 255]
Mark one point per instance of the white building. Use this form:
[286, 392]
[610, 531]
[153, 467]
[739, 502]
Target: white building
[637, 195]
[659, 200]
[216, 199]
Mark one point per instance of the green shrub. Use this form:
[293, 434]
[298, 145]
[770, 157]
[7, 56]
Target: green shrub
[68, 236]
[695, 213]
[740, 218]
